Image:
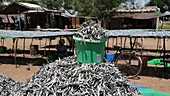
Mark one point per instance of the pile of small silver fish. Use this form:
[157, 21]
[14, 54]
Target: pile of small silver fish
[9, 87]
[90, 30]
[68, 77]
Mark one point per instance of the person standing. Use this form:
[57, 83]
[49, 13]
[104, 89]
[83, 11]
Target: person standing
[1, 24]
[12, 25]
[22, 24]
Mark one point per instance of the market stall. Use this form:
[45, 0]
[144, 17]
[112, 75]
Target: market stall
[15, 35]
[142, 33]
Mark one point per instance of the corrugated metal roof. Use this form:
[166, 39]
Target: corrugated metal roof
[19, 7]
[43, 11]
[69, 13]
[31, 6]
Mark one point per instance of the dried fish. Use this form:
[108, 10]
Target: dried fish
[90, 30]
[67, 77]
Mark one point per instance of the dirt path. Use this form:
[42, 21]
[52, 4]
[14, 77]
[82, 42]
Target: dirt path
[21, 74]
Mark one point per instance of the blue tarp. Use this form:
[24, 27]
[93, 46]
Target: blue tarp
[145, 91]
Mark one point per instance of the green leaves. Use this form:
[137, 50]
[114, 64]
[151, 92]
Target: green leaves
[164, 5]
[51, 4]
[95, 8]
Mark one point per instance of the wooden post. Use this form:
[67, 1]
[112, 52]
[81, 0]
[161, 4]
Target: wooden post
[108, 43]
[24, 48]
[157, 23]
[15, 54]
[45, 46]
[125, 42]
[19, 20]
[144, 60]
[8, 22]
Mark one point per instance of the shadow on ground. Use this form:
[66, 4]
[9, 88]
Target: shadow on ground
[40, 58]
[22, 60]
[154, 71]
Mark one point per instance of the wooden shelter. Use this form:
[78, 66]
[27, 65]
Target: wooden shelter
[43, 18]
[145, 18]
[18, 8]
[33, 14]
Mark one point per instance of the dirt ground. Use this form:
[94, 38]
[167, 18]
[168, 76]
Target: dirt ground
[151, 76]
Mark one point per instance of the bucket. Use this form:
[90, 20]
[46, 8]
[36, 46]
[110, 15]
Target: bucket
[90, 51]
[3, 49]
[33, 50]
[110, 56]
[145, 62]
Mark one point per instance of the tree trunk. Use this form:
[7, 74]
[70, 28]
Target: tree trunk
[103, 23]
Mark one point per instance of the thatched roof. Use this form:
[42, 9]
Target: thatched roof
[138, 15]
[142, 13]
[137, 10]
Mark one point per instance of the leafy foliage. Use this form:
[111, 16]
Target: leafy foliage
[51, 4]
[97, 8]
[164, 5]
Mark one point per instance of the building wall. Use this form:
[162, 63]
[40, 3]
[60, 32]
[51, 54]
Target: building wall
[128, 23]
[113, 23]
[76, 21]
[37, 19]
[61, 22]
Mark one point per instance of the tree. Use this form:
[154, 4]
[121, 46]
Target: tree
[51, 4]
[164, 5]
[95, 8]
[2, 5]
[68, 4]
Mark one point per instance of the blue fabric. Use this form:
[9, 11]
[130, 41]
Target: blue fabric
[145, 91]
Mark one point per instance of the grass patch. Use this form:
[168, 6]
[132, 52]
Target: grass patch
[166, 25]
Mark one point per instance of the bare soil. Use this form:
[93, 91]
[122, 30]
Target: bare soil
[152, 77]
